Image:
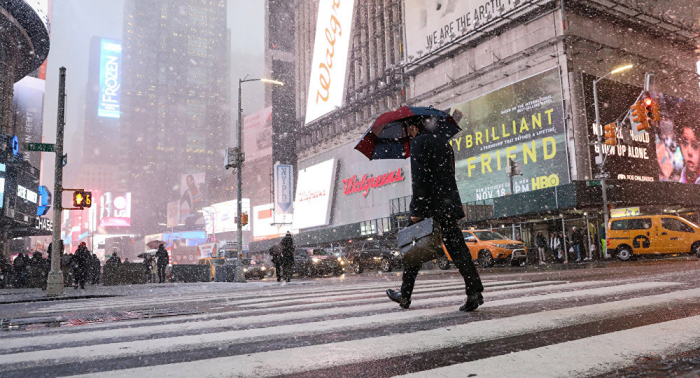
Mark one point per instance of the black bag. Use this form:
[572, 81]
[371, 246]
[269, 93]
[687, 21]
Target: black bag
[420, 242]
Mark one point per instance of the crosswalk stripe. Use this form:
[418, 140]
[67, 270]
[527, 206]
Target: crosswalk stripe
[390, 318]
[56, 339]
[203, 320]
[603, 353]
[233, 296]
[300, 359]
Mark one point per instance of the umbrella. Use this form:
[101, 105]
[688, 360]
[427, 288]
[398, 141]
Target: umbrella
[154, 244]
[387, 138]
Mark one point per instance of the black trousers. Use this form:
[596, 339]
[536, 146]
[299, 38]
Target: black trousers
[287, 271]
[454, 242]
[161, 273]
[278, 270]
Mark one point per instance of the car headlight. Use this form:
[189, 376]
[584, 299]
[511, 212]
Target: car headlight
[339, 259]
[504, 246]
[263, 268]
[245, 269]
[315, 260]
[342, 263]
[395, 253]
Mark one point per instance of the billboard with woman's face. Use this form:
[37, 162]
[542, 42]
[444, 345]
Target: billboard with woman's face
[192, 199]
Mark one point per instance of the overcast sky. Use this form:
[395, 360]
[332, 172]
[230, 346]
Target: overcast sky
[75, 22]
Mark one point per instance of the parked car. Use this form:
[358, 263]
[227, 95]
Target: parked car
[487, 247]
[652, 234]
[312, 262]
[373, 254]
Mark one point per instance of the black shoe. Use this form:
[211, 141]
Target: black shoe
[472, 302]
[396, 297]
[279, 279]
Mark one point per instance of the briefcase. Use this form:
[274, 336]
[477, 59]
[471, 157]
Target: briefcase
[420, 242]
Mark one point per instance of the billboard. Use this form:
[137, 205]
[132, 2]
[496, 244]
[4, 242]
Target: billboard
[428, 23]
[28, 118]
[257, 134]
[115, 209]
[669, 152]
[192, 199]
[222, 217]
[173, 216]
[284, 186]
[330, 57]
[313, 199]
[110, 78]
[524, 122]
[264, 225]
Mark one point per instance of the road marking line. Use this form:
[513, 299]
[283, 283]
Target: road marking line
[301, 359]
[143, 347]
[584, 357]
[84, 334]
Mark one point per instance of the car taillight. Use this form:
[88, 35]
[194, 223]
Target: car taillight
[607, 242]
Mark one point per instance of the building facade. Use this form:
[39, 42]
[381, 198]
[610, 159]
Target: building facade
[516, 75]
[175, 111]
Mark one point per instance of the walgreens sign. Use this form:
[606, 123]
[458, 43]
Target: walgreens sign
[330, 59]
[367, 182]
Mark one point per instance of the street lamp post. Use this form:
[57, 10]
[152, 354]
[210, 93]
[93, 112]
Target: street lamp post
[601, 145]
[240, 274]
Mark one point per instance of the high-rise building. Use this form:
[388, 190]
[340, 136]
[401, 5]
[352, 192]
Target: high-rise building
[175, 111]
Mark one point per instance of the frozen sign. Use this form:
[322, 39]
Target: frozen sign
[110, 78]
[312, 204]
[330, 59]
[430, 23]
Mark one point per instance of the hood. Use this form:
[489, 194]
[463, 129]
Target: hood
[503, 241]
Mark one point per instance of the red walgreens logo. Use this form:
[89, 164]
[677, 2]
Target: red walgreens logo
[353, 185]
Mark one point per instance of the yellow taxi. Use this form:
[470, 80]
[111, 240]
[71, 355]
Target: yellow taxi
[652, 234]
[213, 262]
[487, 247]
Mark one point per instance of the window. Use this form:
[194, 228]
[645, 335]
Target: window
[489, 235]
[469, 237]
[673, 224]
[631, 224]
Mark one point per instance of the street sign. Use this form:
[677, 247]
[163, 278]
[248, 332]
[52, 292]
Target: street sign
[40, 147]
[284, 184]
[602, 175]
[15, 145]
[594, 183]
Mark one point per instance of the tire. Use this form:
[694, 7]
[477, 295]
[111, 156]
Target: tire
[485, 259]
[515, 262]
[624, 253]
[310, 271]
[696, 249]
[443, 262]
[338, 272]
[357, 267]
[386, 265]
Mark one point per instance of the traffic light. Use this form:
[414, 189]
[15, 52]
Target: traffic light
[244, 219]
[82, 199]
[651, 109]
[610, 134]
[639, 116]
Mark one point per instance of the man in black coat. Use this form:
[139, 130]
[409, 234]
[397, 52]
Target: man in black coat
[287, 256]
[82, 262]
[162, 263]
[435, 195]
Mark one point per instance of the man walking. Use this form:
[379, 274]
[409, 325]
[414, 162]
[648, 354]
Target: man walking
[163, 261]
[82, 262]
[435, 195]
[541, 246]
[577, 242]
[287, 256]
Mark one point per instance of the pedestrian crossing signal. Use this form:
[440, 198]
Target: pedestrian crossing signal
[82, 199]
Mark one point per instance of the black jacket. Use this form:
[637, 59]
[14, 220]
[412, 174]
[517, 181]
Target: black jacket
[435, 191]
[541, 241]
[82, 257]
[162, 256]
[287, 250]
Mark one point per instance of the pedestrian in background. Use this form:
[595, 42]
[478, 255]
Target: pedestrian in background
[435, 195]
[20, 269]
[577, 242]
[96, 269]
[287, 256]
[541, 243]
[163, 261]
[276, 254]
[81, 261]
[555, 246]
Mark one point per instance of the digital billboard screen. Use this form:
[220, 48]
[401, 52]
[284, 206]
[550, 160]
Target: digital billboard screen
[523, 121]
[110, 78]
[668, 152]
[312, 203]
